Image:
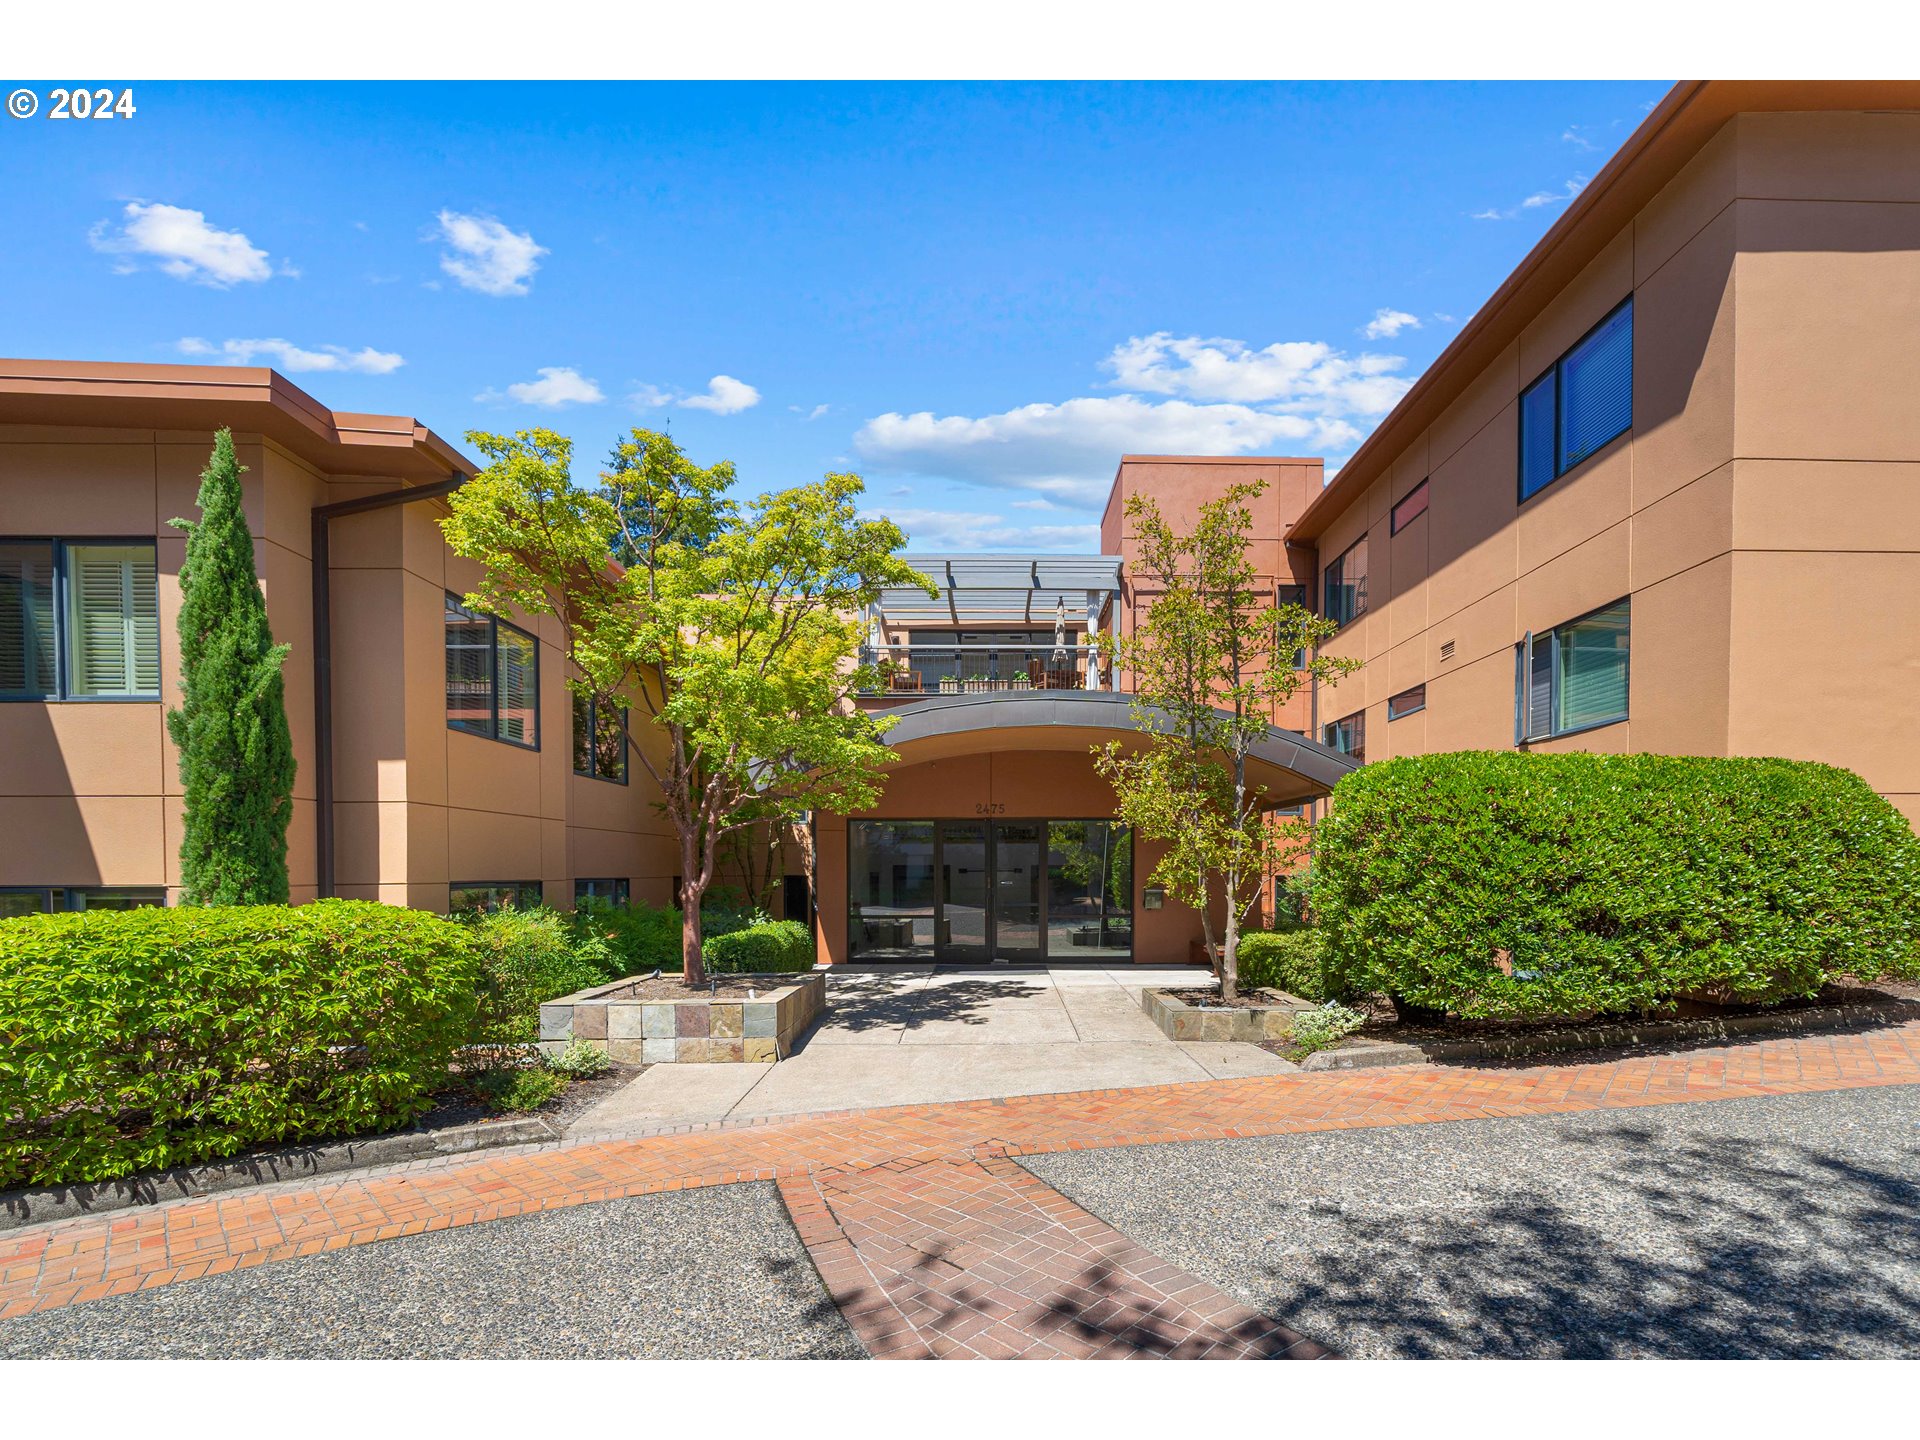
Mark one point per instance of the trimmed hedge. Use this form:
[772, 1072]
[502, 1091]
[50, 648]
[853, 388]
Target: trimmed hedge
[133, 1040]
[1286, 960]
[1497, 884]
[778, 945]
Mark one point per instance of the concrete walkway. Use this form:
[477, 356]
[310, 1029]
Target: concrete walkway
[899, 1036]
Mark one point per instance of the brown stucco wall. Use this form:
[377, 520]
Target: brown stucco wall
[90, 791]
[1762, 512]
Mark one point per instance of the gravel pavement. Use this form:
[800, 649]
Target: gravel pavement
[1780, 1226]
[693, 1274]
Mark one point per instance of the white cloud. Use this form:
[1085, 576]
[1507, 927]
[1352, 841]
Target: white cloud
[809, 413]
[182, 244]
[557, 387]
[1388, 323]
[1224, 397]
[938, 530]
[486, 255]
[1572, 136]
[284, 355]
[1067, 452]
[724, 396]
[1538, 200]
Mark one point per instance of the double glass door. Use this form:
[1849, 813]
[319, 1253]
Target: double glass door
[979, 891]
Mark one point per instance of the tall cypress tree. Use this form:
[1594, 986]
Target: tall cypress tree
[236, 755]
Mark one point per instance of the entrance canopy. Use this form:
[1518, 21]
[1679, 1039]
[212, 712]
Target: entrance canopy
[1003, 589]
[1290, 768]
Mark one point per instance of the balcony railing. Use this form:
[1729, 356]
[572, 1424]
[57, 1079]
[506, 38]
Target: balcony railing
[977, 669]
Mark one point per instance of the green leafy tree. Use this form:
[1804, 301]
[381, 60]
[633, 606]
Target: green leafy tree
[733, 630]
[1211, 661]
[236, 755]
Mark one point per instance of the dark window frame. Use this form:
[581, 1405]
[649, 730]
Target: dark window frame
[1401, 714]
[1291, 593]
[621, 887]
[1357, 720]
[1554, 375]
[63, 691]
[519, 888]
[494, 626]
[1394, 523]
[592, 772]
[1522, 693]
[72, 898]
[1326, 585]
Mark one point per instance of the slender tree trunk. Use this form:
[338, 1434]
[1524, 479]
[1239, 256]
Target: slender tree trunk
[692, 891]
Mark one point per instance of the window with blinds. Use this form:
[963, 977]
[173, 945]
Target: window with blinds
[1579, 406]
[101, 643]
[113, 621]
[1573, 677]
[29, 657]
[493, 677]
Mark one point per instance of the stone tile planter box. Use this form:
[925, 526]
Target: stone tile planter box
[1271, 1020]
[660, 1032]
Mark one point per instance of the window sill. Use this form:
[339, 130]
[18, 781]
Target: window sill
[1575, 468]
[495, 739]
[1567, 734]
[603, 779]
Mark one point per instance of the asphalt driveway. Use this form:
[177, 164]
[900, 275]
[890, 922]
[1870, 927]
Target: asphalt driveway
[1782, 1226]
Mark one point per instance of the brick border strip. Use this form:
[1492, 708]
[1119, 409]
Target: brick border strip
[50, 1204]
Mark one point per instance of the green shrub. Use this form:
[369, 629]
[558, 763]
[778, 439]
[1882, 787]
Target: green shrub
[641, 938]
[1286, 960]
[510, 1087]
[1510, 885]
[777, 945]
[579, 1061]
[528, 957]
[1322, 1028]
[133, 1040]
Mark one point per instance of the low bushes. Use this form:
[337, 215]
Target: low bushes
[528, 957]
[777, 945]
[1514, 885]
[643, 938]
[139, 1039]
[1286, 960]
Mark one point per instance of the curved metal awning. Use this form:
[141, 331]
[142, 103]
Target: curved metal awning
[1290, 768]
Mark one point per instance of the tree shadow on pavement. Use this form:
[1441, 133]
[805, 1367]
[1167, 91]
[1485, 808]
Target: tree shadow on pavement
[1794, 1253]
[863, 1004]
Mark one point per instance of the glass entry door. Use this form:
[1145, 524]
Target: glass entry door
[1019, 873]
[969, 892]
[966, 894]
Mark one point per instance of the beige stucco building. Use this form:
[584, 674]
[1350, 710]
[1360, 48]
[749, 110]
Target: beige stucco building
[1737, 532]
[94, 461]
[1662, 493]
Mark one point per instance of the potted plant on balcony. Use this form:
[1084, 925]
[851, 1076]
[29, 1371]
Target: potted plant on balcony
[949, 684]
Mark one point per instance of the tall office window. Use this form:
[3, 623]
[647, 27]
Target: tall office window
[1344, 587]
[103, 643]
[1580, 405]
[599, 739]
[493, 677]
[1411, 507]
[1574, 676]
[1294, 595]
[1349, 736]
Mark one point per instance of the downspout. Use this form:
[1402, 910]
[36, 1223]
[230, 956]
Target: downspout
[323, 655]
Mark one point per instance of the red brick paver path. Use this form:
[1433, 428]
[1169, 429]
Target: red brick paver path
[929, 1239]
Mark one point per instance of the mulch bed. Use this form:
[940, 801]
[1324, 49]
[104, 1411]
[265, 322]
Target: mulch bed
[672, 987]
[456, 1106]
[1212, 1000]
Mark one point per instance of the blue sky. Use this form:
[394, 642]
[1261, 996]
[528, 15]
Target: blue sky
[977, 296]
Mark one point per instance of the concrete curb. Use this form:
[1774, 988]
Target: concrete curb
[1368, 1054]
[48, 1205]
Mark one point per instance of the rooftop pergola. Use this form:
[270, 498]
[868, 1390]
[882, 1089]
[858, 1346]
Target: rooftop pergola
[988, 590]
